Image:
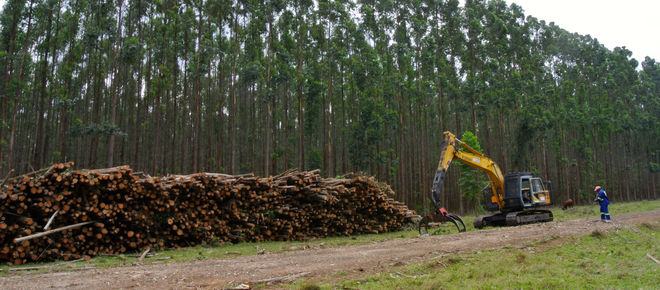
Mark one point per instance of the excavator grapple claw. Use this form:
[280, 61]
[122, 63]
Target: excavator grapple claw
[440, 215]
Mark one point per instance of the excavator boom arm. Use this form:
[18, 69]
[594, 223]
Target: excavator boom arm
[473, 159]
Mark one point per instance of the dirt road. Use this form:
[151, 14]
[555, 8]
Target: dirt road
[314, 263]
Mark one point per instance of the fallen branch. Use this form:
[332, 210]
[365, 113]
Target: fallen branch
[652, 258]
[144, 254]
[6, 178]
[20, 218]
[238, 287]
[149, 255]
[28, 268]
[280, 279]
[35, 172]
[82, 268]
[51, 220]
[37, 235]
[49, 171]
[38, 267]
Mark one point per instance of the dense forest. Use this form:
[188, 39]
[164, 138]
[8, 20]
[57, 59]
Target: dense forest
[241, 86]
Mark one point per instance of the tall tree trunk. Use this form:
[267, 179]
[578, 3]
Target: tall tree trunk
[16, 18]
[344, 158]
[505, 162]
[269, 96]
[327, 160]
[12, 133]
[96, 106]
[183, 120]
[196, 136]
[174, 127]
[115, 87]
[51, 115]
[234, 109]
[64, 111]
[220, 108]
[401, 149]
[38, 158]
[301, 149]
[139, 94]
[287, 125]
[156, 165]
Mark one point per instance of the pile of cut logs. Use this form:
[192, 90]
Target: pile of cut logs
[62, 213]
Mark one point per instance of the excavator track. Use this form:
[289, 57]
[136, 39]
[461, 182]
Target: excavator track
[514, 218]
[528, 217]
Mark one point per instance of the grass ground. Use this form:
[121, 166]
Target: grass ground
[598, 260]
[242, 249]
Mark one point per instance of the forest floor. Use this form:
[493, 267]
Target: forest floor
[318, 263]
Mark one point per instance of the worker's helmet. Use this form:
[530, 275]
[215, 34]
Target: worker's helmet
[597, 188]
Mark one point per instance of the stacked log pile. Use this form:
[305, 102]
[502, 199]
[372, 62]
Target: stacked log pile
[61, 213]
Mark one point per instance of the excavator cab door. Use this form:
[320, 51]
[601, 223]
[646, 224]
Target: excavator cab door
[540, 196]
[517, 191]
[526, 190]
[533, 192]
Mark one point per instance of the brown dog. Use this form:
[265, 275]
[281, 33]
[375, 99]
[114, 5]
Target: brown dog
[568, 203]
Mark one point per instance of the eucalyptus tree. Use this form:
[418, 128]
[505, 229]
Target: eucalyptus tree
[115, 81]
[650, 123]
[273, 9]
[235, 42]
[13, 83]
[243, 85]
[474, 60]
[454, 40]
[332, 14]
[67, 94]
[219, 13]
[302, 8]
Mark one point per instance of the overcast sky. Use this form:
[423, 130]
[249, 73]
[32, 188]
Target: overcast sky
[630, 23]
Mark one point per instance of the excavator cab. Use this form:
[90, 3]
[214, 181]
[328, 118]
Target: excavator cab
[524, 190]
[523, 193]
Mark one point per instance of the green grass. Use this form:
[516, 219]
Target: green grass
[243, 249]
[578, 212]
[598, 260]
[615, 208]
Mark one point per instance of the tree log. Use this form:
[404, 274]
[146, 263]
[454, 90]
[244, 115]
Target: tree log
[37, 235]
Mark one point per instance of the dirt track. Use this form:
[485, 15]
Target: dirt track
[219, 273]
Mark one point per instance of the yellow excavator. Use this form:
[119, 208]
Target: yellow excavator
[517, 196]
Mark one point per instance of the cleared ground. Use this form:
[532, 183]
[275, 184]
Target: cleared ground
[318, 263]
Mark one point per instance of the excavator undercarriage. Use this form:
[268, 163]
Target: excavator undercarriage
[514, 218]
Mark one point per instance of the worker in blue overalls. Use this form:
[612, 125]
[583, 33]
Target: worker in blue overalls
[602, 199]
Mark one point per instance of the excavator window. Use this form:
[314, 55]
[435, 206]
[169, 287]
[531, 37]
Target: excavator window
[537, 186]
[538, 191]
[525, 190]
